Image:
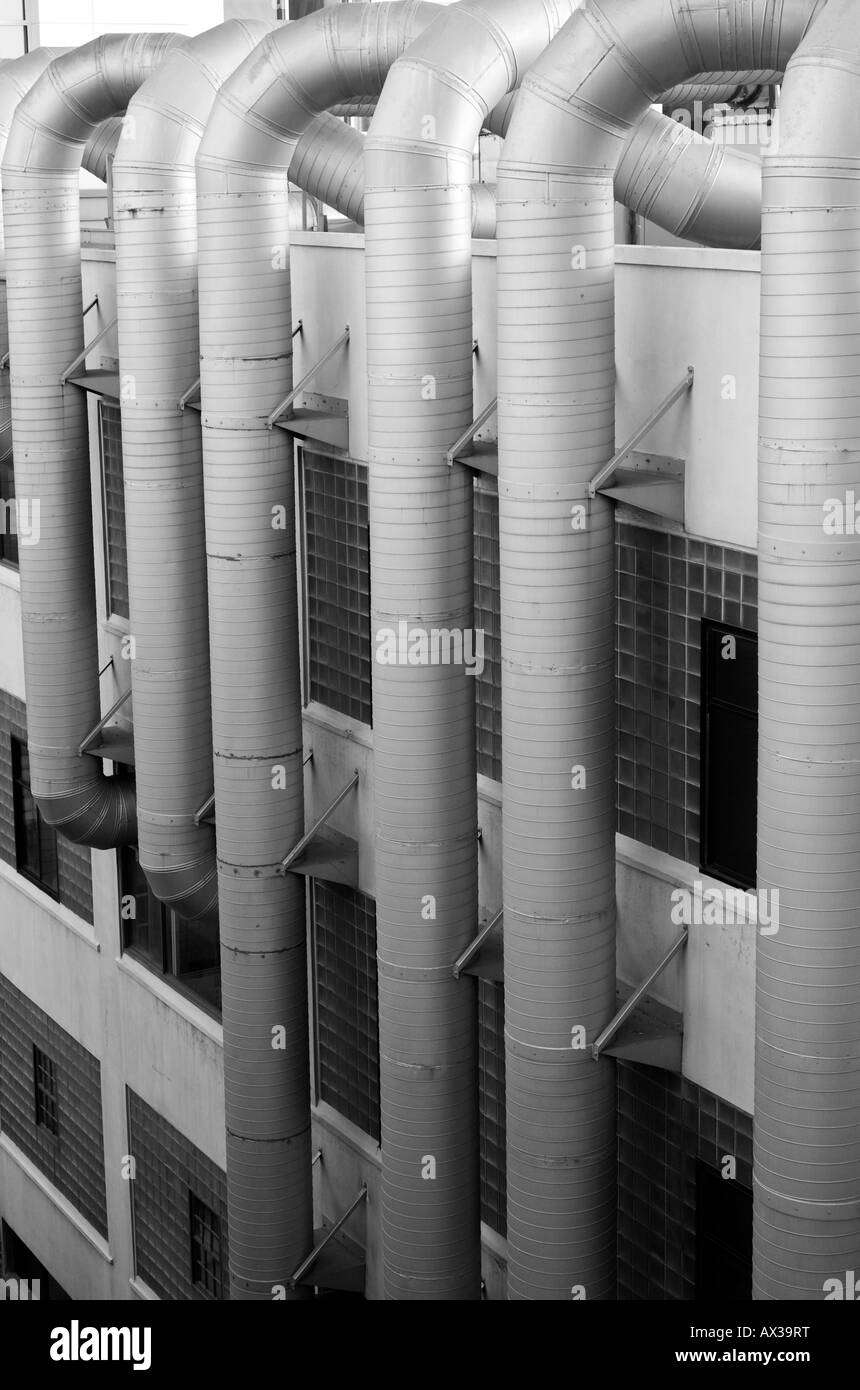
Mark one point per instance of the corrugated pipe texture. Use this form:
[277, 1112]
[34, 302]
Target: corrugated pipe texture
[725, 88]
[155, 219]
[418, 168]
[58, 600]
[246, 366]
[576, 108]
[806, 1160]
[17, 76]
[679, 180]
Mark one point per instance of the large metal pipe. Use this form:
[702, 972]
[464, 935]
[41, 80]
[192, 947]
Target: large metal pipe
[246, 368]
[556, 428]
[806, 1161]
[49, 420]
[155, 220]
[418, 168]
[17, 76]
[682, 182]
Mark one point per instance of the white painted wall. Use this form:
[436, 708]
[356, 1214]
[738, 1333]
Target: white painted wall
[68, 23]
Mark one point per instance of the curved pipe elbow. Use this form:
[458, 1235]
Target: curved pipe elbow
[690, 186]
[101, 814]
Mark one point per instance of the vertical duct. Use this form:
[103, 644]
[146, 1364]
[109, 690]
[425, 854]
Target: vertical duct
[49, 421]
[575, 109]
[806, 1159]
[17, 76]
[418, 166]
[246, 368]
[155, 218]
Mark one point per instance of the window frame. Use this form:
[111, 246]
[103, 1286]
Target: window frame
[110, 602]
[46, 1099]
[706, 863]
[170, 923]
[21, 789]
[201, 1261]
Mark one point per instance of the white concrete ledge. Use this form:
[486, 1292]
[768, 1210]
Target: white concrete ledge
[173, 998]
[56, 1198]
[62, 915]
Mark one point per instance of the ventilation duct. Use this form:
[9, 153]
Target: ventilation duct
[556, 428]
[682, 182]
[245, 340]
[17, 76]
[49, 421]
[806, 1159]
[418, 168]
[155, 217]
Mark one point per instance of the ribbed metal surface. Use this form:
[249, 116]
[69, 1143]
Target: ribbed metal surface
[807, 1094]
[418, 165]
[155, 219]
[246, 367]
[49, 421]
[684, 183]
[555, 270]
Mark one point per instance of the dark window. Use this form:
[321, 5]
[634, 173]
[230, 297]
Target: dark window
[488, 685]
[45, 1086]
[187, 952]
[491, 1093]
[207, 1272]
[337, 585]
[17, 1261]
[35, 841]
[113, 497]
[723, 1238]
[729, 753]
[8, 514]
[347, 1026]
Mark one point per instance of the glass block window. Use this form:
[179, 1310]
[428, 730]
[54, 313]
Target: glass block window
[51, 1102]
[35, 842]
[488, 686]
[667, 584]
[207, 1261]
[45, 1084]
[188, 952]
[8, 515]
[23, 837]
[491, 1094]
[345, 1005]
[179, 1210]
[337, 585]
[113, 500]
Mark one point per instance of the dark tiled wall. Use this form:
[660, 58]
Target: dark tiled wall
[491, 1103]
[665, 1123]
[73, 1159]
[666, 585]
[488, 686]
[167, 1167]
[75, 861]
[337, 582]
[346, 1011]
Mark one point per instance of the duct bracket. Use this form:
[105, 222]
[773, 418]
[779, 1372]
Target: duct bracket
[643, 1030]
[81, 358]
[283, 406]
[190, 399]
[483, 956]
[114, 742]
[323, 852]
[650, 481]
[481, 455]
[335, 1262]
